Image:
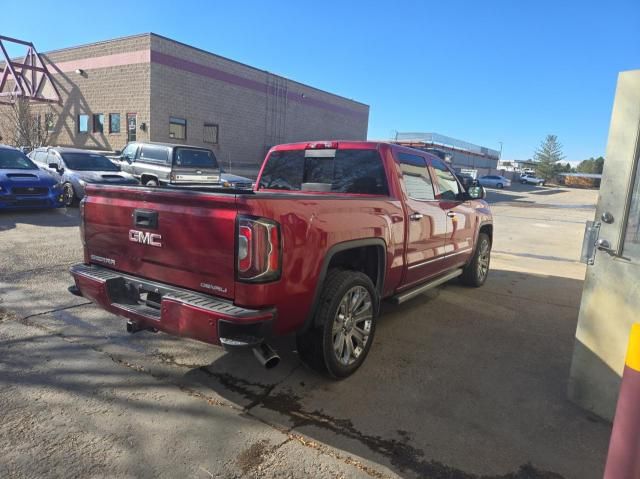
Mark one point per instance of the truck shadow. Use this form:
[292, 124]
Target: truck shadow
[63, 217]
[460, 382]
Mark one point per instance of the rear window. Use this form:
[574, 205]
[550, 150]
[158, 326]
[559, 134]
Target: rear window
[338, 171]
[192, 158]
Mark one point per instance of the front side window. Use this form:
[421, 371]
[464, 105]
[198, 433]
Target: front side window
[15, 160]
[114, 122]
[210, 133]
[83, 123]
[130, 151]
[416, 177]
[98, 123]
[40, 157]
[447, 183]
[177, 128]
[338, 171]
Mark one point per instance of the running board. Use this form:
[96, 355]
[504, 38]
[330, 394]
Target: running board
[421, 288]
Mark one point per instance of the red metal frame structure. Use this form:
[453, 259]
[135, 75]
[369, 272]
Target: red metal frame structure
[29, 76]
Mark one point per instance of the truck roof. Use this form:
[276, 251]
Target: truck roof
[348, 144]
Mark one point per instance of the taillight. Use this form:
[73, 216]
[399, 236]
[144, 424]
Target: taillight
[321, 145]
[259, 252]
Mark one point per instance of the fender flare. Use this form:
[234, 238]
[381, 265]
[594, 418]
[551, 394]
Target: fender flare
[337, 248]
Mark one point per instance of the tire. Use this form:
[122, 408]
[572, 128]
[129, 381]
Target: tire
[151, 182]
[499, 186]
[331, 333]
[476, 272]
[69, 195]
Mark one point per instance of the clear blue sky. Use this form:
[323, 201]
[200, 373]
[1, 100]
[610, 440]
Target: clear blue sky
[489, 71]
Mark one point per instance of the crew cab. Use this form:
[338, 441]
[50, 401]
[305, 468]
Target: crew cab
[329, 231]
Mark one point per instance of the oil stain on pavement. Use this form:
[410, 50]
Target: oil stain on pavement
[398, 452]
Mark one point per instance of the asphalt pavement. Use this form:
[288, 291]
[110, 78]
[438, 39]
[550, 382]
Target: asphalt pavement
[460, 383]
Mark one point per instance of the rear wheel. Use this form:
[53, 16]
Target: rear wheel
[69, 195]
[476, 272]
[340, 337]
[151, 182]
[499, 186]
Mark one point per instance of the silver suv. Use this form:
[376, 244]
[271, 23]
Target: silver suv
[157, 164]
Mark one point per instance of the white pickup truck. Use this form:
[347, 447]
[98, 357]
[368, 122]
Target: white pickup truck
[529, 179]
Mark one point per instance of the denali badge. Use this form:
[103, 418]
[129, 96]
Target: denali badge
[142, 237]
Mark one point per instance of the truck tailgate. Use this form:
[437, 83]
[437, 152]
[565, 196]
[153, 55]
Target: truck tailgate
[183, 238]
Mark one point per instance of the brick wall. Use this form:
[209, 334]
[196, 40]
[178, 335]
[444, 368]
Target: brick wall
[254, 109]
[123, 89]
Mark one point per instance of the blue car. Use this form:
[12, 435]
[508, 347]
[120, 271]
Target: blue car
[24, 185]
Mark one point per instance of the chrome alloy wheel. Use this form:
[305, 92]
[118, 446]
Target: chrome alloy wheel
[352, 325]
[483, 260]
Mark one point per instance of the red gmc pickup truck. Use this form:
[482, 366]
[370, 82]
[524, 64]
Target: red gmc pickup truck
[330, 229]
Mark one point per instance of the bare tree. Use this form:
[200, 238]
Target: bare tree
[21, 126]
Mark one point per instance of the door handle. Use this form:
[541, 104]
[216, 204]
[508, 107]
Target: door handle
[603, 245]
[451, 214]
[416, 216]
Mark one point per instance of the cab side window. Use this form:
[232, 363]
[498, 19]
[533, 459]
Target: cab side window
[415, 176]
[447, 183]
[154, 154]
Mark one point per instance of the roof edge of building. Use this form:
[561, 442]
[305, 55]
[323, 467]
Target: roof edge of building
[152, 34]
[99, 42]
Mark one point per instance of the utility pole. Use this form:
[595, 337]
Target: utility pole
[500, 156]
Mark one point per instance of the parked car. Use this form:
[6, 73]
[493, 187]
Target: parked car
[24, 185]
[329, 231]
[229, 180]
[495, 181]
[156, 164]
[78, 168]
[531, 180]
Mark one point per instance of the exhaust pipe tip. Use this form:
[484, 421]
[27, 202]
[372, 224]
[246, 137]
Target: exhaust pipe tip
[74, 290]
[266, 356]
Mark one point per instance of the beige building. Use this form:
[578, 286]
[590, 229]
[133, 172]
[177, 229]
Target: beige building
[147, 87]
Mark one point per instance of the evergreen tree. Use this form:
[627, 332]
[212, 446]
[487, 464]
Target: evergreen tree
[547, 157]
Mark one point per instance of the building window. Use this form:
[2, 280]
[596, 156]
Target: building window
[177, 128]
[83, 123]
[49, 122]
[210, 133]
[114, 122]
[98, 123]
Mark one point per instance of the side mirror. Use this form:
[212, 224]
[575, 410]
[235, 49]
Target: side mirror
[53, 166]
[476, 192]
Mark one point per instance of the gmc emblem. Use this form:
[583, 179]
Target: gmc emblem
[142, 237]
